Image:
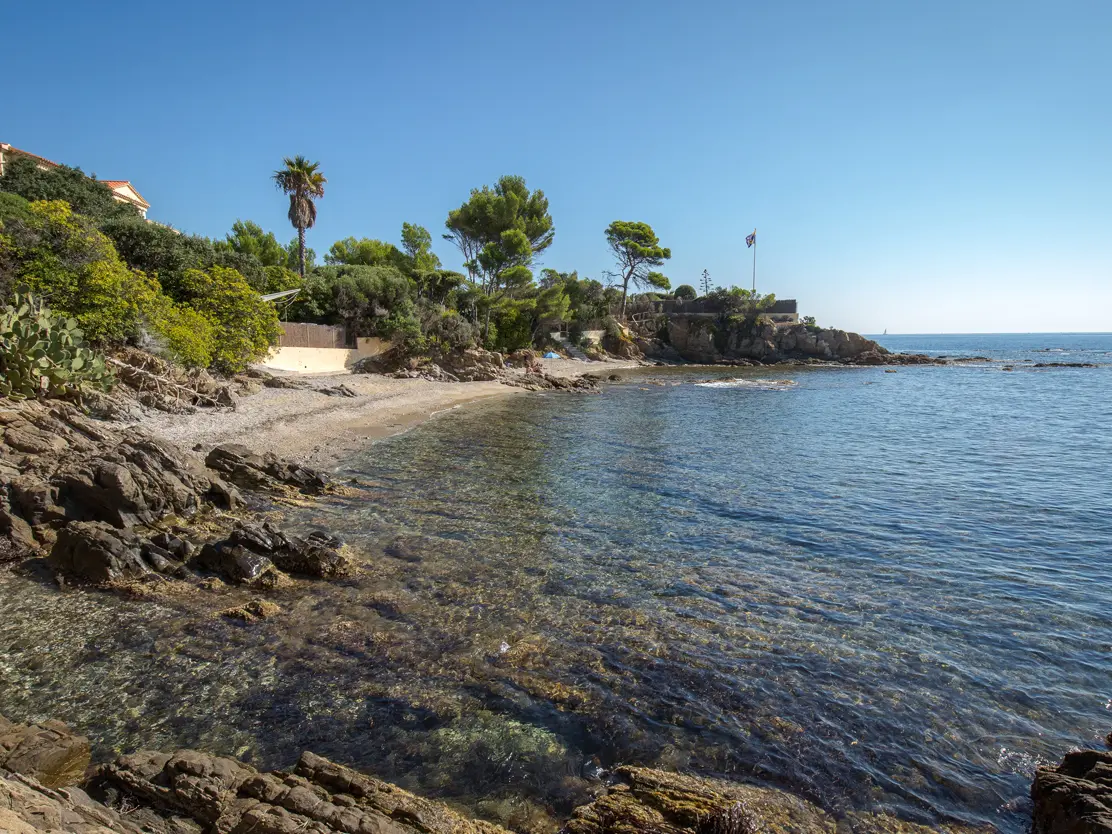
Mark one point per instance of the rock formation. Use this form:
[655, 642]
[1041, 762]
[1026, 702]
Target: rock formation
[189, 792]
[93, 498]
[1076, 796]
[707, 339]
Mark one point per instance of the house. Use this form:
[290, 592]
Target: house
[125, 192]
[122, 190]
[8, 153]
[784, 312]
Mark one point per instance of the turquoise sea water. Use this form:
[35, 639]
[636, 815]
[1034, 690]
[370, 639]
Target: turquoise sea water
[882, 590]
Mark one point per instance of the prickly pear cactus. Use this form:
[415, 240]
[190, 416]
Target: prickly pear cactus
[44, 355]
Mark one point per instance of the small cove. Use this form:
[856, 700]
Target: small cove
[880, 590]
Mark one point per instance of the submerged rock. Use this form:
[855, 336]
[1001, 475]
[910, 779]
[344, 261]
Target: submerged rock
[48, 752]
[646, 800]
[318, 796]
[1076, 796]
[251, 611]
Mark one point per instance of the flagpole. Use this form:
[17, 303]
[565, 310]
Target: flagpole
[754, 261]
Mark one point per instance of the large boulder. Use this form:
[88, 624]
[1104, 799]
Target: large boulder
[475, 365]
[249, 470]
[48, 752]
[1076, 796]
[644, 800]
[252, 549]
[94, 551]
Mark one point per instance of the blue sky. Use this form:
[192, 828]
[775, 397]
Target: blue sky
[920, 167]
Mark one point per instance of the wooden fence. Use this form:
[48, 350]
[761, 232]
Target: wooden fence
[300, 334]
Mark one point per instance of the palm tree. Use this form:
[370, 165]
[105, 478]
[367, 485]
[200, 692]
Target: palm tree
[302, 180]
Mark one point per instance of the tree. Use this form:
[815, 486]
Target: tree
[686, 292]
[417, 245]
[364, 252]
[706, 282]
[636, 248]
[499, 231]
[248, 238]
[304, 183]
[293, 256]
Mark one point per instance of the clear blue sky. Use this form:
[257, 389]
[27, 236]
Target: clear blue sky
[915, 166]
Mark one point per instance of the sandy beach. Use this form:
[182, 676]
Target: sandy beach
[310, 427]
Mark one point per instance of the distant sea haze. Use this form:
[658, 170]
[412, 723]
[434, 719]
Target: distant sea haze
[883, 588]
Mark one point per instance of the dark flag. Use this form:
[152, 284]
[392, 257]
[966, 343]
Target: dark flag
[751, 239]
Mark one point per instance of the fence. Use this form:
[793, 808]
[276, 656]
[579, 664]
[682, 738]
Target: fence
[301, 335]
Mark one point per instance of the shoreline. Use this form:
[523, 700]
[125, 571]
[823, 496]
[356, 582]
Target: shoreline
[311, 428]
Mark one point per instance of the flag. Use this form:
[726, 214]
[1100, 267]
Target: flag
[751, 239]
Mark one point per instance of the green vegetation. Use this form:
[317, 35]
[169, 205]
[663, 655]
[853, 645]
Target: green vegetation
[243, 325]
[44, 355]
[636, 248]
[499, 231]
[84, 194]
[63, 258]
[304, 183]
[126, 280]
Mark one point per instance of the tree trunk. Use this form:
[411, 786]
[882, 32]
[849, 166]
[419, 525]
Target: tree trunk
[301, 250]
[625, 289]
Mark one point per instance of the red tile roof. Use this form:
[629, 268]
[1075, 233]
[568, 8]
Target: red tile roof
[5, 146]
[114, 184]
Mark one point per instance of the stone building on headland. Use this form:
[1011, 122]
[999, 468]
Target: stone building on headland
[122, 190]
[784, 311]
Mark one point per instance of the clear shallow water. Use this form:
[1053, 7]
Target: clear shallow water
[886, 591]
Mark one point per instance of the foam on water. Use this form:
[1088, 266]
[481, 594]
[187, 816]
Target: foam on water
[752, 384]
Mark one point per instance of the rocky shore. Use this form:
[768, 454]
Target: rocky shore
[48, 785]
[707, 340]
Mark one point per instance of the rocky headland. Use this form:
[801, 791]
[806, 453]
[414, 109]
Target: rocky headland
[707, 339]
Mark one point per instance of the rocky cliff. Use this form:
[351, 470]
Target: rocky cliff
[707, 339]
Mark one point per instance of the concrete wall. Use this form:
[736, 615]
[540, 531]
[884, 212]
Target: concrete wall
[594, 336]
[324, 360]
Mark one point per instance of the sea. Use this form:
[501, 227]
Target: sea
[883, 589]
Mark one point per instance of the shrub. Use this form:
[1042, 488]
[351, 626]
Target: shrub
[187, 336]
[44, 355]
[61, 257]
[87, 196]
[244, 326]
[167, 254]
[447, 330]
[359, 297]
[576, 335]
[685, 292]
[14, 207]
